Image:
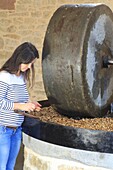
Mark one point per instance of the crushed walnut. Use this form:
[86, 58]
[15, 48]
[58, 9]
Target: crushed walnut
[48, 114]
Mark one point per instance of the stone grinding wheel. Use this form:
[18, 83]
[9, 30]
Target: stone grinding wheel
[75, 81]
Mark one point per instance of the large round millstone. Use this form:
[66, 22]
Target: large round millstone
[77, 39]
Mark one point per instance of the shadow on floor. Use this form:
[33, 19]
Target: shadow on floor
[20, 159]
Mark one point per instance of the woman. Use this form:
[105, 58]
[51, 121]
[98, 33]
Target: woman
[14, 97]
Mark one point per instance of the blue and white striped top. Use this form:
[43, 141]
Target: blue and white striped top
[12, 90]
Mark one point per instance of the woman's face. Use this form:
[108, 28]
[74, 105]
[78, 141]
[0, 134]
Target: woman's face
[24, 67]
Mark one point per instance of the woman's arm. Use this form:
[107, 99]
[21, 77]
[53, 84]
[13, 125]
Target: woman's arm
[19, 107]
[24, 106]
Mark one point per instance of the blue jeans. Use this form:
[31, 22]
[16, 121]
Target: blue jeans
[10, 141]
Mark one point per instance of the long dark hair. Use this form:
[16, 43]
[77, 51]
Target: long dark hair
[23, 54]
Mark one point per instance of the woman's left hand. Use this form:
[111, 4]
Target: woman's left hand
[37, 106]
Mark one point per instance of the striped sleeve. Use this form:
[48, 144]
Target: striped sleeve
[5, 104]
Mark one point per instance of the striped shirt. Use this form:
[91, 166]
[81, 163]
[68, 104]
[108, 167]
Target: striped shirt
[12, 90]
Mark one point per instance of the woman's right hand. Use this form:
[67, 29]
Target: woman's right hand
[28, 106]
[24, 106]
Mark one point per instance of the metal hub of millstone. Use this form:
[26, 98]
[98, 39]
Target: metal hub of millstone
[76, 60]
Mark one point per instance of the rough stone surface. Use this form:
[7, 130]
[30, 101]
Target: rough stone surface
[7, 4]
[54, 157]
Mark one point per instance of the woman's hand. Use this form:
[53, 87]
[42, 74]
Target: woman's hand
[24, 106]
[30, 106]
[37, 106]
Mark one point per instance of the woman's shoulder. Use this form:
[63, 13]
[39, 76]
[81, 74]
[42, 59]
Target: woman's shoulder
[5, 76]
[9, 78]
[4, 73]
